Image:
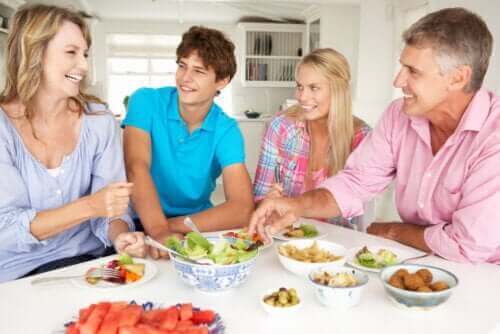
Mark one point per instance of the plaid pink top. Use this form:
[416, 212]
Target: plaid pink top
[287, 142]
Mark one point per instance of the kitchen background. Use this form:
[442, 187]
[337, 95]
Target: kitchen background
[134, 45]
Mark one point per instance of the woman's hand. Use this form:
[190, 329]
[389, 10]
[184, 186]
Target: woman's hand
[131, 243]
[112, 200]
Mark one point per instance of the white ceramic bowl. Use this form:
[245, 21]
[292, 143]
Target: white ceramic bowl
[339, 297]
[279, 311]
[414, 299]
[304, 268]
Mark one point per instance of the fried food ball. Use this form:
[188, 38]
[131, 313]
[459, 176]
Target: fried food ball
[426, 275]
[424, 289]
[396, 281]
[401, 272]
[439, 286]
[413, 281]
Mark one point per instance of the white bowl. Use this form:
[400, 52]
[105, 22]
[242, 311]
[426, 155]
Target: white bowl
[419, 300]
[304, 268]
[279, 311]
[339, 297]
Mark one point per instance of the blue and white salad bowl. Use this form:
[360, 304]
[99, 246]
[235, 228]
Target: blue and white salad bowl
[213, 277]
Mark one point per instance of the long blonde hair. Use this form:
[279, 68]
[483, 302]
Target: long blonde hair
[32, 28]
[335, 68]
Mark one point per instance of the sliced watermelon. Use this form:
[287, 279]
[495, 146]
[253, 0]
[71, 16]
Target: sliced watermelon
[84, 313]
[131, 330]
[170, 319]
[203, 317]
[72, 329]
[186, 311]
[152, 329]
[130, 315]
[91, 326]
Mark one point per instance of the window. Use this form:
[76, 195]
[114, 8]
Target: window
[136, 61]
[128, 74]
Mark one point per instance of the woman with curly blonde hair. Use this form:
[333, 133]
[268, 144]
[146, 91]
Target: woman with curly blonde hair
[63, 194]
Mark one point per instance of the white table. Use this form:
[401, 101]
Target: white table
[474, 306]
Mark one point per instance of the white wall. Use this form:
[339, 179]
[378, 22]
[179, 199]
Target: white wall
[490, 12]
[376, 64]
[339, 29]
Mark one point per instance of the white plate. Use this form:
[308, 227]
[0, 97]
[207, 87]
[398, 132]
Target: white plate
[150, 271]
[322, 232]
[353, 261]
[216, 327]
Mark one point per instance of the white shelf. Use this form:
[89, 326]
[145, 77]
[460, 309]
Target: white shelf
[270, 53]
[273, 57]
[272, 84]
[4, 31]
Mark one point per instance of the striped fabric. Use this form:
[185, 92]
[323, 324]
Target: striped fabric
[286, 143]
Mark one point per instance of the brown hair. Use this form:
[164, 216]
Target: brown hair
[33, 27]
[335, 67]
[459, 37]
[213, 47]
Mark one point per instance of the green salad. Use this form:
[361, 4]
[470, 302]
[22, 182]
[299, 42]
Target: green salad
[382, 258]
[223, 251]
[303, 231]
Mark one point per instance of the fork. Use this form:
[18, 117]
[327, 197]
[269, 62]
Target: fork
[277, 172]
[102, 273]
[416, 257]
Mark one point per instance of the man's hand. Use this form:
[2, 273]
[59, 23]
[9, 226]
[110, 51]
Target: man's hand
[385, 230]
[405, 233]
[272, 215]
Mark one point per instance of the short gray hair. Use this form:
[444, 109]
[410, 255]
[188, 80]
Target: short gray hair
[459, 37]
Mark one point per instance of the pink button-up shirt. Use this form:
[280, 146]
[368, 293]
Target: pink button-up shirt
[456, 193]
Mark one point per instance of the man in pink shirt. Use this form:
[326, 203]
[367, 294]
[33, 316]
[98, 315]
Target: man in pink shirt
[440, 143]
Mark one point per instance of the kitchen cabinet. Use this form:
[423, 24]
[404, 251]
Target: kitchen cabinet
[270, 53]
[7, 9]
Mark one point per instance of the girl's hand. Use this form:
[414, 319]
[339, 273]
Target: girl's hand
[276, 191]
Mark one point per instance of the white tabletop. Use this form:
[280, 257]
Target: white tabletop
[473, 307]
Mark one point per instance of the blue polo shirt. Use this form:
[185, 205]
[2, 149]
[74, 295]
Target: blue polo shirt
[184, 166]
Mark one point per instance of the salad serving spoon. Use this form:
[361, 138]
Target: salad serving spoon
[189, 223]
[153, 243]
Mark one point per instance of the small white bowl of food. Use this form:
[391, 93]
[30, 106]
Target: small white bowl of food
[302, 256]
[338, 287]
[280, 302]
